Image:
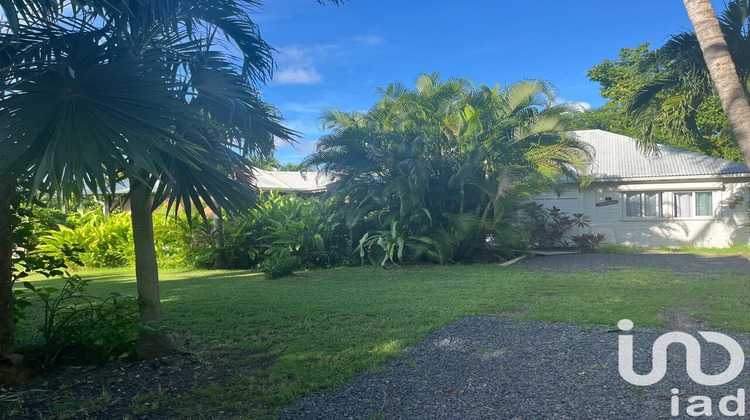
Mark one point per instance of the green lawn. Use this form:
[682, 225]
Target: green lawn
[297, 335]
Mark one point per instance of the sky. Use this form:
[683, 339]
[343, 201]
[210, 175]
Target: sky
[336, 56]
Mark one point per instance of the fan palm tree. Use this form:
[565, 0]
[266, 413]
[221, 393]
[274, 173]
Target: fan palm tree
[147, 90]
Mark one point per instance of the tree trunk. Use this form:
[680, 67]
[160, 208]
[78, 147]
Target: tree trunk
[218, 234]
[7, 301]
[150, 344]
[462, 197]
[722, 70]
[12, 371]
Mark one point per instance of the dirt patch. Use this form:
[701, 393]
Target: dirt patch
[681, 319]
[516, 312]
[148, 389]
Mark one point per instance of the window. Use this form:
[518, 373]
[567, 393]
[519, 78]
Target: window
[683, 204]
[643, 205]
[704, 204]
[693, 204]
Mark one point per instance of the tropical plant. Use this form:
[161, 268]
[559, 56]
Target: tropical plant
[99, 240]
[589, 241]
[99, 91]
[392, 245]
[667, 95]
[548, 227]
[716, 53]
[308, 228]
[452, 149]
[280, 264]
[85, 327]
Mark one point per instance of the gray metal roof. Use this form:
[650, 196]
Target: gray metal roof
[618, 157]
[292, 181]
[285, 181]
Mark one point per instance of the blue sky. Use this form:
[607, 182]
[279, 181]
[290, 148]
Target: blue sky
[337, 56]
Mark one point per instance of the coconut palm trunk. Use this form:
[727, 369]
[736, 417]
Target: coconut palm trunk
[150, 343]
[722, 70]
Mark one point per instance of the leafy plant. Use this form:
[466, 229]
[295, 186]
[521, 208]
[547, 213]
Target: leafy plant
[389, 245]
[548, 227]
[467, 154]
[101, 240]
[281, 264]
[305, 227]
[83, 326]
[588, 242]
[74, 324]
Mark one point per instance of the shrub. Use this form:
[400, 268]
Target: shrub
[385, 246]
[307, 228]
[588, 242]
[73, 323]
[183, 243]
[100, 240]
[84, 327]
[279, 265]
[548, 227]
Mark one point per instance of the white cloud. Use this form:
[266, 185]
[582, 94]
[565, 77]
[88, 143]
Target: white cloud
[297, 67]
[580, 106]
[309, 76]
[369, 39]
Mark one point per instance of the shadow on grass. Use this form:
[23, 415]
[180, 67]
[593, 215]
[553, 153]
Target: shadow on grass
[679, 263]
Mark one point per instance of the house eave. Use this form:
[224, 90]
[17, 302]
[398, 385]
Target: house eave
[667, 179]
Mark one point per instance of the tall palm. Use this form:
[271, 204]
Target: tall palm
[140, 89]
[722, 70]
[682, 96]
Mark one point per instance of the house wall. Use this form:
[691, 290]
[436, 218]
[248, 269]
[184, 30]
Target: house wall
[725, 228]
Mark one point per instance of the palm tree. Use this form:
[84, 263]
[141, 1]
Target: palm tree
[143, 90]
[447, 153]
[722, 70]
[680, 101]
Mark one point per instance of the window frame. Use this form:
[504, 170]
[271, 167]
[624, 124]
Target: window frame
[642, 213]
[693, 206]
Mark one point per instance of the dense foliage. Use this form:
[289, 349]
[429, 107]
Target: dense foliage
[439, 171]
[306, 228]
[74, 325]
[550, 227]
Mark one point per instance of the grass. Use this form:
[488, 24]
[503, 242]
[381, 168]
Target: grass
[735, 249]
[313, 331]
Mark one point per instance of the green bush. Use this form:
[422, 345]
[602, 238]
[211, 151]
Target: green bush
[83, 327]
[180, 243]
[280, 265]
[305, 227]
[588, 242]
[101, 240]
[547, 227]
[73, 324]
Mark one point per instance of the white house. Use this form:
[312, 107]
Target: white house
[303, 183]
[676, 198]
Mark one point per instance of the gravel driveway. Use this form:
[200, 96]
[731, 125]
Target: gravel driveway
[495, 368]
[683, 263]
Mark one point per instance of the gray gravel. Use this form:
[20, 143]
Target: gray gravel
[495, 368]
[681, 263]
